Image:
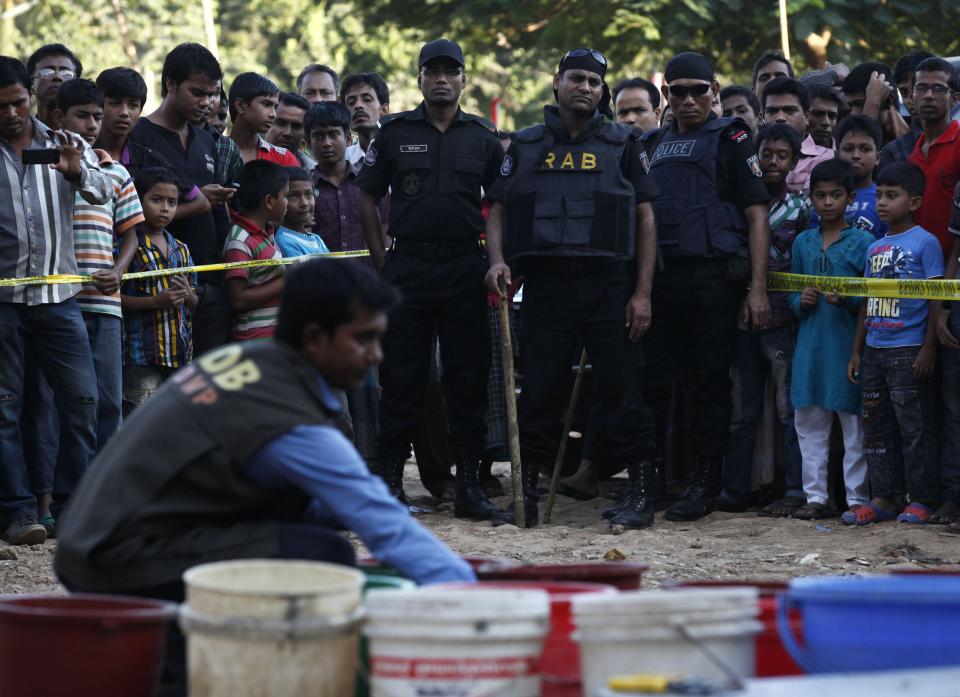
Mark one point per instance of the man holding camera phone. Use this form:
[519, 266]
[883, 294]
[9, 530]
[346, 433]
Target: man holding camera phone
[36, 239]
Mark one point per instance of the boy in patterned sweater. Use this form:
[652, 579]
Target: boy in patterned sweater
[255, 293]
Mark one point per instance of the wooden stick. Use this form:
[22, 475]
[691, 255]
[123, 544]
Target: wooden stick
[513, 428]
[565, 436]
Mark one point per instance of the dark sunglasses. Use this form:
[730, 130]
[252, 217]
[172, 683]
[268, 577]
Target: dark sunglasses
[581, 52]
[684, 91]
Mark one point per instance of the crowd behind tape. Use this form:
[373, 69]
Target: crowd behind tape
[922, 289]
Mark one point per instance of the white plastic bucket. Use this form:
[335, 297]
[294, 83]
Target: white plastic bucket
[272, 627]
[456, 642]
[663, 632]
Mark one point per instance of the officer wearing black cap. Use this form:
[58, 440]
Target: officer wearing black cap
[714, 239]
[434, 160]
[571, 207]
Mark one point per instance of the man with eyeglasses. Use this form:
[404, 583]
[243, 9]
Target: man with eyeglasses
[715, 239]
[571, 207]
[937, 151]
[434, 160]
[49, 67]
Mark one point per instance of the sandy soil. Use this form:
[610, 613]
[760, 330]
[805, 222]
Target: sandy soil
[721, 546]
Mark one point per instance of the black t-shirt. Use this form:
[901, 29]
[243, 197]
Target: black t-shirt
[196, 166]
[634, 163]
[434, 178]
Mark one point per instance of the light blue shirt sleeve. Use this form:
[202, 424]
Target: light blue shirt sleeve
[320, 461]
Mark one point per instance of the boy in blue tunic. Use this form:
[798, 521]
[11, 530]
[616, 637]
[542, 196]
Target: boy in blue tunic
[827, 326]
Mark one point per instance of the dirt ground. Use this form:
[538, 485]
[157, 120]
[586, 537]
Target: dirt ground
[721, 546]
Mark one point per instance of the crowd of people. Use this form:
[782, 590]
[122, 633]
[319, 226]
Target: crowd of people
[640, 221]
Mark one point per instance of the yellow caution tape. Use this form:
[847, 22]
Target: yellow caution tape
[789, 282]
[252, 264]
[867, 287]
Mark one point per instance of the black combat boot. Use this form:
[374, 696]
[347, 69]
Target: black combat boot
[700, 498]
[470, 501]
[390, 470]
[529, 478]
[636, 509]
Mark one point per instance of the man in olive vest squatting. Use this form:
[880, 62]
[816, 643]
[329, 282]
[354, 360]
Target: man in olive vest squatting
[237, 456]
[574, 196]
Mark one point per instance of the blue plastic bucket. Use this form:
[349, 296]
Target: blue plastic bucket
[855, 624]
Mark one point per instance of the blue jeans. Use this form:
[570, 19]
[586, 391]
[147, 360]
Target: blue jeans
[899, 425]
[759, 354]
[950, 402]
[62, 351]
[107, 349]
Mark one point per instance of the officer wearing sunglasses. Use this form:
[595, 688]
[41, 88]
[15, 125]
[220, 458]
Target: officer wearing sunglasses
[571, 211]
[714, 238]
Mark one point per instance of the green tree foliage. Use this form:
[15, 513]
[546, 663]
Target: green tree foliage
[512, 46]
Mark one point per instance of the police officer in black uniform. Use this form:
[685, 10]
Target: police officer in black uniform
[714, 238]
[434, 160]
[571, 207]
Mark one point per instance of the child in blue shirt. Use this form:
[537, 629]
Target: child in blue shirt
[899, 398]
[294, 237]
[859, 140]
[827, 326]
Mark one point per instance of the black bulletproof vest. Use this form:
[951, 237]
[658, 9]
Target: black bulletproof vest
[569, 198]
[173, 478]
[691, 219]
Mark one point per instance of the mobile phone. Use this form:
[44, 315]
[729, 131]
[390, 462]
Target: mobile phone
[40, 156]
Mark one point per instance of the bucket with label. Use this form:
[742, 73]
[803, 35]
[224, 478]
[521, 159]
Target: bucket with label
[82, 645]
[559, 666]
[772, 657]
[271, 627]
[695, 633]
[856, 624]
[456, 642]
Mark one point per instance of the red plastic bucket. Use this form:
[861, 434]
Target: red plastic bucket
[81, 645]
[622, 575]
[559, 666]
[772, 658]
[375, 566]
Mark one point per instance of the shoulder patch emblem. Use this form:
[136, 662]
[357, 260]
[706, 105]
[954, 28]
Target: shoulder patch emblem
[506, 166]
[370, 158]
[644, 161]
[739, 136]
[754, 162]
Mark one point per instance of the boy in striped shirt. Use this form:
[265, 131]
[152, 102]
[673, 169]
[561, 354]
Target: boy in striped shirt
[255, 292]
[97, 231]
[157, 310]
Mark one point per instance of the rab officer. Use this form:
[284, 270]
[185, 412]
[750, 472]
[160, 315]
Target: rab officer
[434, 160]
[714, 238]
[571, 211]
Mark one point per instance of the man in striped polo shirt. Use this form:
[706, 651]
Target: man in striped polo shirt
[97, 229]
[255, 293]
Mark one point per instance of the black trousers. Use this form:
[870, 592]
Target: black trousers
[294, 541]
[446, 298]
[565, 301]
[693, 332]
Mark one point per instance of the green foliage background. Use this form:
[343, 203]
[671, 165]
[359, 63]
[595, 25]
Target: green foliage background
[512, 46]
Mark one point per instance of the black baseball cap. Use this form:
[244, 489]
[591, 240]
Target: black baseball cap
[441, 48]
